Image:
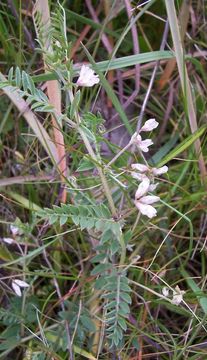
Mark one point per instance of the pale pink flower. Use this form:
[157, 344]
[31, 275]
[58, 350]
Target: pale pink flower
[149, 125]
[177, 295]
[143, 144]
[145, 209]
[142, 188]
[140, 167]
[8, 240]
[143, 202]
[160, 171]
[139, 176]
[149, 199]
[87, 77]
[14, 229]
[17, 285]
[165, 291]
[153, 187]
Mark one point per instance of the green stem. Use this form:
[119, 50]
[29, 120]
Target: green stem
[101, 174]
[94, 157]
[119, 154]
[123, 250]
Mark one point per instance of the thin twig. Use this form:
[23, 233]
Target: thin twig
[135, 43]
[162, 46]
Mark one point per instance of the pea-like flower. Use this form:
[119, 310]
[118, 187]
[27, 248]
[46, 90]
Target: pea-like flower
[160, 171]
[165, 291]
[142, 144]
[140, 167]
[14, 230]
[87, 77]
[143, 203]
[149, 125]
[177, 296]
[17, 285]
[8, 240]
[145, 174]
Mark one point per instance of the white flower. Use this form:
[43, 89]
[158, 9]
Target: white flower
[165, 291]
[58, 44]
[177, 296]
[160, 171]
[140, 167]
[8, 240]
[149, 125]
[143, 144]
[143, 202]
[149, 199]
[129, 247]
[87, 77]
[138, 176]
[147, 210]
[17, 285]
[152, 187]
[14, 229]
[142, 188]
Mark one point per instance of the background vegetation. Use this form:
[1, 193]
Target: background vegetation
[151, 60]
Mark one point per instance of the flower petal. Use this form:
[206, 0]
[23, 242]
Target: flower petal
[152, 187]
[138, 176]
[142, 188]
[149, 199]
[149, 125]
[16, 289]
[20, 283]
[144, 144]
[14, 229]
[147, 210]
[140, 167]
[87, 77]
[160, 171]
[177, 296]
[165, 291]
[8, 240]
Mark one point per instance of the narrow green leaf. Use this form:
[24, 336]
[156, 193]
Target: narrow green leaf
[118, 63]
[101, 268]
[202, 299]
[52, 219]
[183, 146]
[63, 219]
[24, 81]
[122, 323]
[75, 104]
[10, 74]
[18, 77]
[98, 258]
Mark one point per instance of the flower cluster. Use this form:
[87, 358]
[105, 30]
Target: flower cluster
[146, 174]
[177, 296]
[137, 139]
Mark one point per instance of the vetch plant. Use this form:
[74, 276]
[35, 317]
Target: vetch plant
[98, 211]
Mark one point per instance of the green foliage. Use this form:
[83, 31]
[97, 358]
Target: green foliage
[116, 294]
[13, 318]
[88, 217]
[80, 319]
[24, 85]
[79, 260]
[52, 38]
